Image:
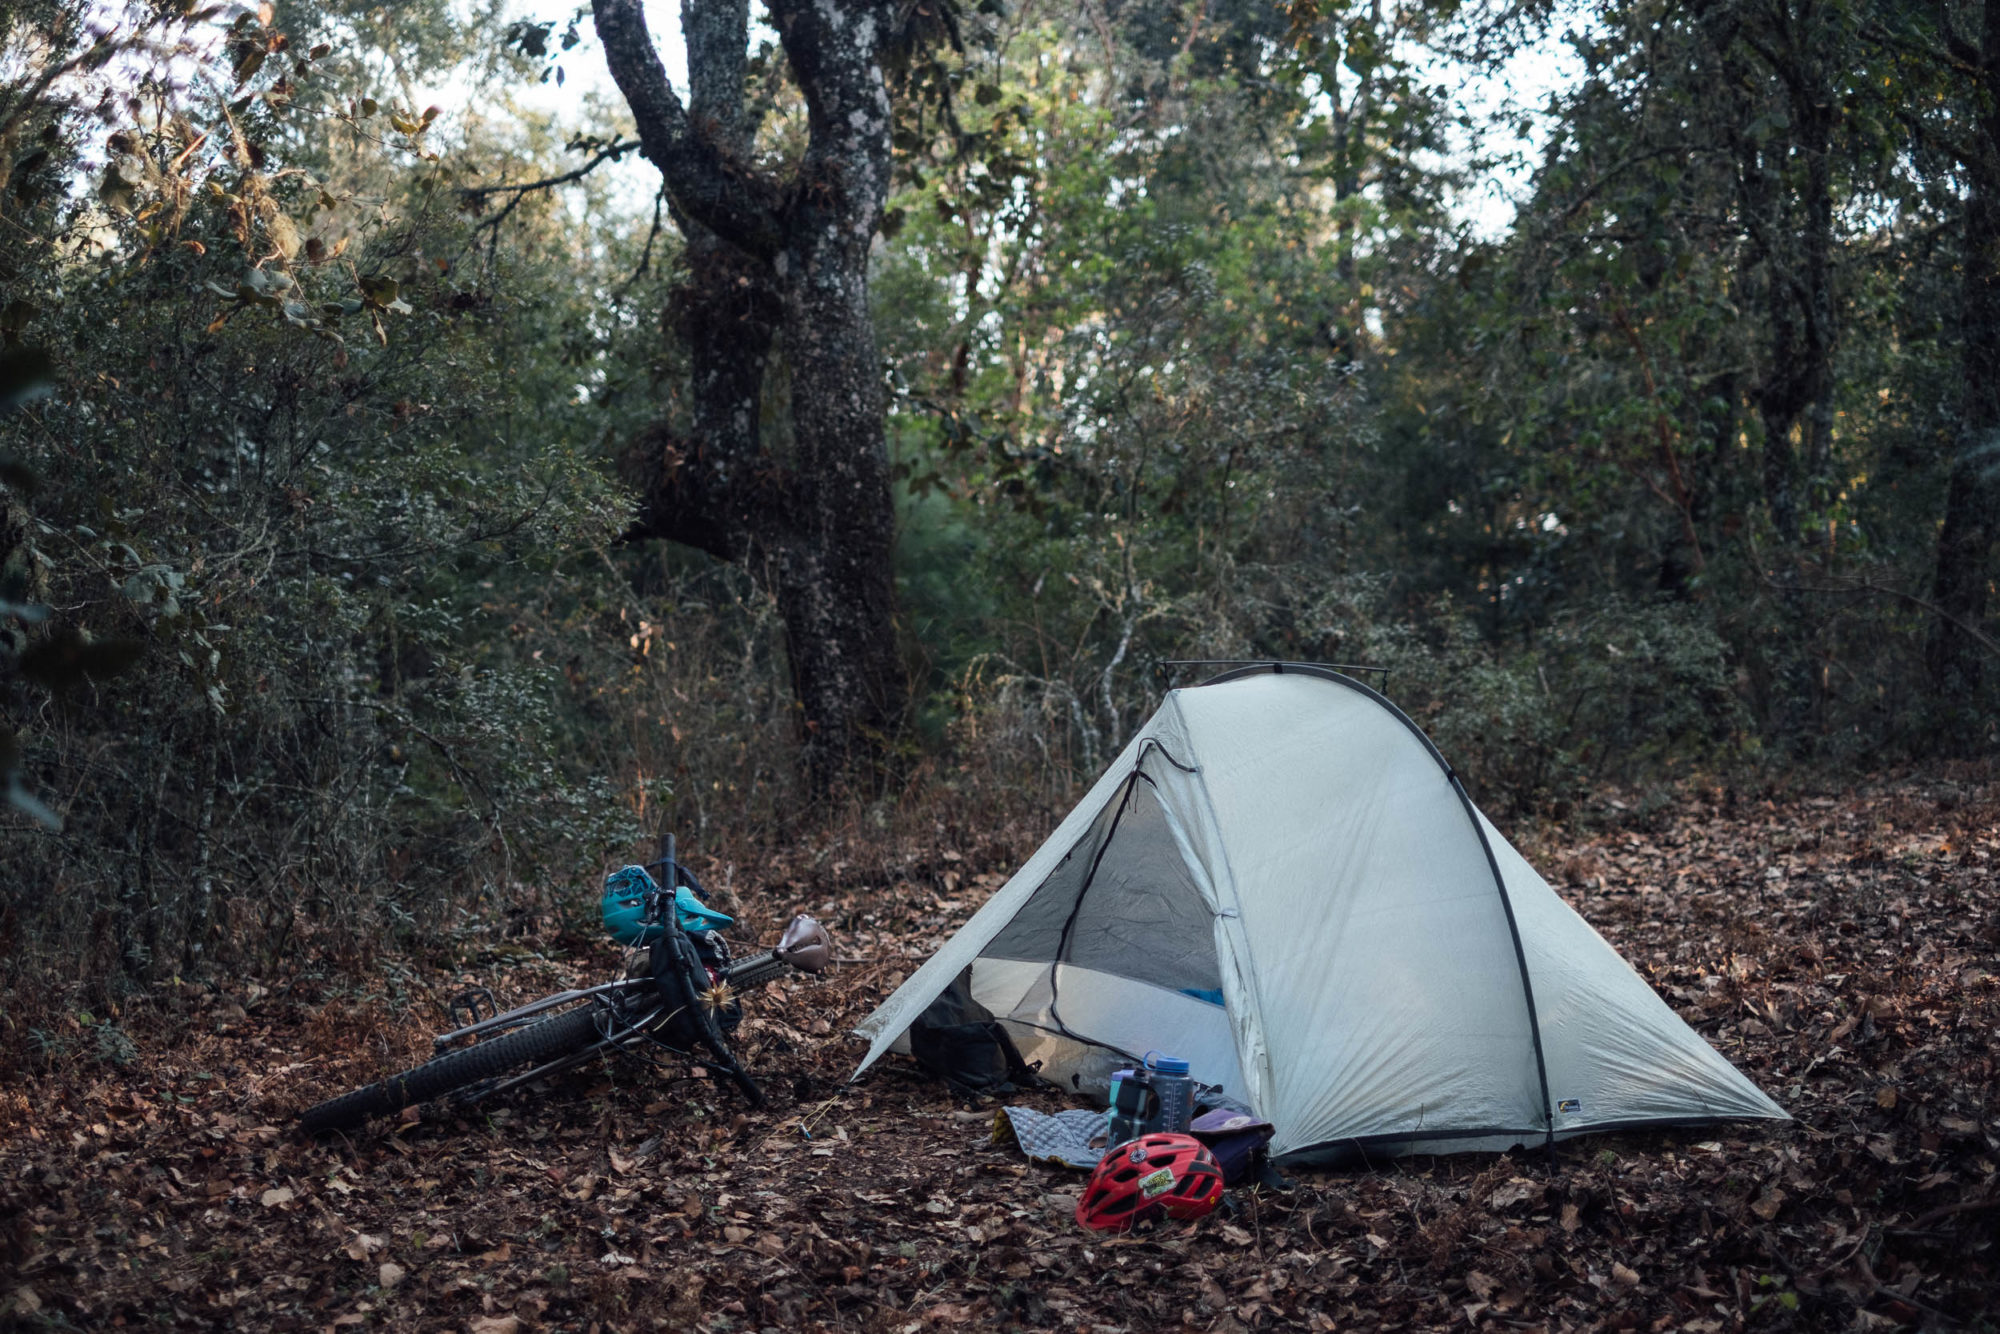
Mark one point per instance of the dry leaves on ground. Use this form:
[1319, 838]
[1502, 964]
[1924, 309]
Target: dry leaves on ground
[1841, 950]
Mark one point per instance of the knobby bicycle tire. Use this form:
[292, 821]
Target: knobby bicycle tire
[536, 1044]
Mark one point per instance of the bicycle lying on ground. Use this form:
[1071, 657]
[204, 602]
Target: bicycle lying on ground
[681, 996]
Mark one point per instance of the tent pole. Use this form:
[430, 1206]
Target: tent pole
[1083, 891]
[1520, 957]
[1471, 814]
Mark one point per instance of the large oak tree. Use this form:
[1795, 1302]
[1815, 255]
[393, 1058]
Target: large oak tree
[776, 298]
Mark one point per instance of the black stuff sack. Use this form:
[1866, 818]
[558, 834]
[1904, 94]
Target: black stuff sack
[958, 1040]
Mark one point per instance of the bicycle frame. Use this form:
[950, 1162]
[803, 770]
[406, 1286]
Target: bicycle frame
[613, 1002]
[683, 1006]
[617, 1030]
[636, 1029]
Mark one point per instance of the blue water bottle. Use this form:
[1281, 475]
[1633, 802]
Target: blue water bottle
[1173, 1091]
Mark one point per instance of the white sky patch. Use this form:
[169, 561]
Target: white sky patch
[1499, 102]
[587, 101]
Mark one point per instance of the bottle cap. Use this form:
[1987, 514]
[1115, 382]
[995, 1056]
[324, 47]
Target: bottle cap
[1166, 1065]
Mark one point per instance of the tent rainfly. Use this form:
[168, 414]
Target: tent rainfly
[1282, 880]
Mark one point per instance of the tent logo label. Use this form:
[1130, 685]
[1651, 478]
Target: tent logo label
[1570, 1106]
[1155, 1184]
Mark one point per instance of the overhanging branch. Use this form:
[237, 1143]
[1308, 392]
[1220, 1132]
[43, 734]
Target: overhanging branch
[608, 154]
[473, 196]
[720, 194]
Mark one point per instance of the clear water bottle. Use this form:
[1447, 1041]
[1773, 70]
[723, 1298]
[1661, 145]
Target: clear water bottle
[1173, 1090]
[1134, 1106]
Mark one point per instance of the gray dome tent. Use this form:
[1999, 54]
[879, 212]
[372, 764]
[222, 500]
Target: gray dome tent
[1282, 880]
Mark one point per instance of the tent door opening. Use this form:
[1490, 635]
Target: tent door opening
[1114, 954]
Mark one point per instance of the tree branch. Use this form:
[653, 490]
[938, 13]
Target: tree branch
[645, 255]
[1961, 49]
[98, 53]
[615, 150]
[717, 33]
[471, 196]
[1865, 587]
[1960, 58]
[708, 186]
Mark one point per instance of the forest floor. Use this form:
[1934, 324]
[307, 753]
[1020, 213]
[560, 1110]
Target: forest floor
[1843, 949]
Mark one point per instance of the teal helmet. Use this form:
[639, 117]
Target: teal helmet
[696, 915]
[624, 908]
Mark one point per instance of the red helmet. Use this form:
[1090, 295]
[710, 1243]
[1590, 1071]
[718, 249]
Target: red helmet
[1174, 1175]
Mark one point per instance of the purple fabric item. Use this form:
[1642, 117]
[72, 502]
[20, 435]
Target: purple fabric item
[1236, 1140]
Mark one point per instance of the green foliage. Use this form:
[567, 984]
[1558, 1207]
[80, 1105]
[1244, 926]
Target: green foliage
[1617, 691]
[1191, 335]
[288, 500]
[314, 628]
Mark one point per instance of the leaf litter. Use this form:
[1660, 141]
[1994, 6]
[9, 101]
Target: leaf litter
[1841, 950]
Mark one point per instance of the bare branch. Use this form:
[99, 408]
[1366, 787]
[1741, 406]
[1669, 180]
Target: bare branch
[611, 153]
[99, 52]
[646, 255]
[722, 195]
[1864, 586]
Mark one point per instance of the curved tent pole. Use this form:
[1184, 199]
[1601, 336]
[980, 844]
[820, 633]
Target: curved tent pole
[1471, 814]
[1082, 892]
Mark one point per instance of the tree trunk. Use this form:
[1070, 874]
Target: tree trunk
[1789, 223]
[1972, 499]
[838, 601]
[782, 270]
[711, 488]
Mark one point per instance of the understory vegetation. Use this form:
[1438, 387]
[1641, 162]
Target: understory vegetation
[321, 635]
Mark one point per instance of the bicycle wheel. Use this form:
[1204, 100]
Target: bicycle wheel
[536, 1044]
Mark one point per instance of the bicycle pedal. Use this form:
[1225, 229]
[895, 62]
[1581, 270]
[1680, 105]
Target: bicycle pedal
[466, 1006]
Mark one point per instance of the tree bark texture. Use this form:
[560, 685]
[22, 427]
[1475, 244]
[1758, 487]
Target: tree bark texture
[1972, 497]
[779, 278]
